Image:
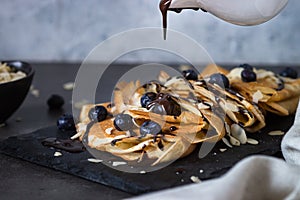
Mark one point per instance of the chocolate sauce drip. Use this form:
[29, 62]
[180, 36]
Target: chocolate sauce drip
[164, 6]
[72, 146]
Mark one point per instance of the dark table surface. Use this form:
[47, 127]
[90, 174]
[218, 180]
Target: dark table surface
[24, 180]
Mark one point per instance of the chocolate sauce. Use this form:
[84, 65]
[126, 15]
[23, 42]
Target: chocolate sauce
[113, 143]
[72, 146]
[165, 104]
[164, 6]
[173, 128]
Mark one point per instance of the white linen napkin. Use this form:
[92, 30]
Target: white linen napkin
[255, 177]
[291, 142]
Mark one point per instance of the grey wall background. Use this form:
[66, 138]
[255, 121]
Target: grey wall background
[67, 30]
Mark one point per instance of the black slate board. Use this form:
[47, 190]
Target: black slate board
[29, 148]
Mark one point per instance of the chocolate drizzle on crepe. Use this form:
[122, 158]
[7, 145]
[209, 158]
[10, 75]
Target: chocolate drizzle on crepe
[72, 146]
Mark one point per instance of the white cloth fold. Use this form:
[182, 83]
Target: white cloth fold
[255, 177]
[291, 142]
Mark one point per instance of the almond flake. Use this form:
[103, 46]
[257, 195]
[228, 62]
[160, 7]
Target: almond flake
[109, 131]
[195, 179]
[202, 106]
[226, 142]
[57, 154]
[35, 93]
[94, 160]
[278, 132]
[252, 141]
[117, 163]
[223, 150]
[68, 86]
[257, 96]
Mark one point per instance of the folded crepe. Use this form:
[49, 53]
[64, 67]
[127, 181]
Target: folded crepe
[104, 136]
[270, 91]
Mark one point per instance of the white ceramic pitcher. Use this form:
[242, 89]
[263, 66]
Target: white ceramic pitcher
[240, 12]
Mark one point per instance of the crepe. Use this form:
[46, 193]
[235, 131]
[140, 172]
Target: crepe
[270, 91]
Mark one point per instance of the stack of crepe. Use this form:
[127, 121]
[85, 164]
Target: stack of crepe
[208, 113]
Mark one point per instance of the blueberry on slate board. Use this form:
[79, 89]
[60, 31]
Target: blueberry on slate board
[98, 113]
[147, 98]
[190, 74]
[289, 72]
[123, 122]
[248, 75]
[219, 79]
[55, 101]
[66, 123]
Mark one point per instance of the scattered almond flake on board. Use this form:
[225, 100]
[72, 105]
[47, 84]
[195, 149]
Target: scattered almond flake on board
[109, 130]
[34, 92]
[238, 133]
[223, 150]
[257, 96]
[143, 172]
[94, 160]
[57, 154]
[2, 125]
[117, 163]
[195, 179]
[278, 132]
[77, 135]
[234, 141]
[68, 86]
[201, 171]
[252, 141]
[18, 119]
[226, 142]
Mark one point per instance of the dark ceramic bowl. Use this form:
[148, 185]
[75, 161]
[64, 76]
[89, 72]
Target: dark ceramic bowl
[13, 93]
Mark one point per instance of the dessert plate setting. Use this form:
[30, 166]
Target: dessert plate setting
[75, 159]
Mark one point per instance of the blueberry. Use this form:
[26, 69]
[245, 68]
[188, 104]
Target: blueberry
[190, 74]
[150, 127]
[66, 123]
[98, 113]
[55, 101]
[219, 79]
[147, 98]
[123, 122]
[248, 76]
[289, 72]
[246, 66]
